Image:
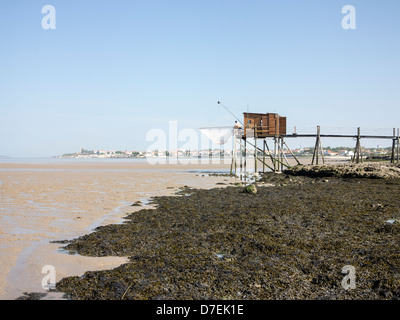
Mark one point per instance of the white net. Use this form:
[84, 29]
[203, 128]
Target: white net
[218, 135]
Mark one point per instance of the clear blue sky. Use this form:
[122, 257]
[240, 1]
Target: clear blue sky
[113, 70]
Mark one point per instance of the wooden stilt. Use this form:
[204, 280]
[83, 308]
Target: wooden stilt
[283, 156]
[233, 153]
[317, 146]
[233, 164]
[279, 155]
[263, 156]
[241, 158]
[272, 158]
[398, 141]
[255, 150]
[259, 158]
[245, 159]
[275, 163]
[322, 152]
[298, 162]
[270, 155]
[281, 152]
[357, 152]
[235, 150]
[392, 158]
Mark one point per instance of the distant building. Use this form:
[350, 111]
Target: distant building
[330, 153]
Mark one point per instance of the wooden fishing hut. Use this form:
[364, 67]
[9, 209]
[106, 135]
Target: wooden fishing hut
[263, 125]
[260, 126]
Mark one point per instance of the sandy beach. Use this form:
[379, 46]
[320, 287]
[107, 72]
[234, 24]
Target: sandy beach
[44, 201]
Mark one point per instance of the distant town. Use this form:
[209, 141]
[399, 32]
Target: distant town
[372, 153]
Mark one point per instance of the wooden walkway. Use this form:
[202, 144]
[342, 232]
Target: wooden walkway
[278, 156]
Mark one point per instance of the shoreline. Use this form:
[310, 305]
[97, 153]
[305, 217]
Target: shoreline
[53, 201]
[223, 243]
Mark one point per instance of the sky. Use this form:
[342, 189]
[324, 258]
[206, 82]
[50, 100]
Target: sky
[112, 72]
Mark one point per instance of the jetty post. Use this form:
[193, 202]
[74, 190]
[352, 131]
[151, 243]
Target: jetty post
[318, 148]
[394, 141]
[357, 150]
[255, 150]
[398, 142]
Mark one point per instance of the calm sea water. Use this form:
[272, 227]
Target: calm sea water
[154, 167]
[69, 160]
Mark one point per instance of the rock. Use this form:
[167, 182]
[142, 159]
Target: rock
[349, 170]
[251, 188]
[32, 296]
[377, 206]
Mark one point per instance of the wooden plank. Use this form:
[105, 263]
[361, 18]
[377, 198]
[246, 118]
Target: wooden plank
[282, 125]
[335, 136]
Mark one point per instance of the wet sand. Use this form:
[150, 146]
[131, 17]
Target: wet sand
[45, 202]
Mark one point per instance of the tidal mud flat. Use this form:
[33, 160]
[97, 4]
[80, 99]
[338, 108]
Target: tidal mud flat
[44, 200]
[289, 240]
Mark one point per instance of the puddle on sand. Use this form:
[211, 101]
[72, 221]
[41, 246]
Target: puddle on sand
[145, 202]
[41, 255]
[65, 251]
[115, 214]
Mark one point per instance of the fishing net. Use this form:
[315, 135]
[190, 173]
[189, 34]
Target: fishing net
[218, 135]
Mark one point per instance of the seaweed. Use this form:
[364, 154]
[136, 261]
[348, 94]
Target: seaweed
[285, 242]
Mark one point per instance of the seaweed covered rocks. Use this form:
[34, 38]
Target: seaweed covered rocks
[285, 242]
[380, 170]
